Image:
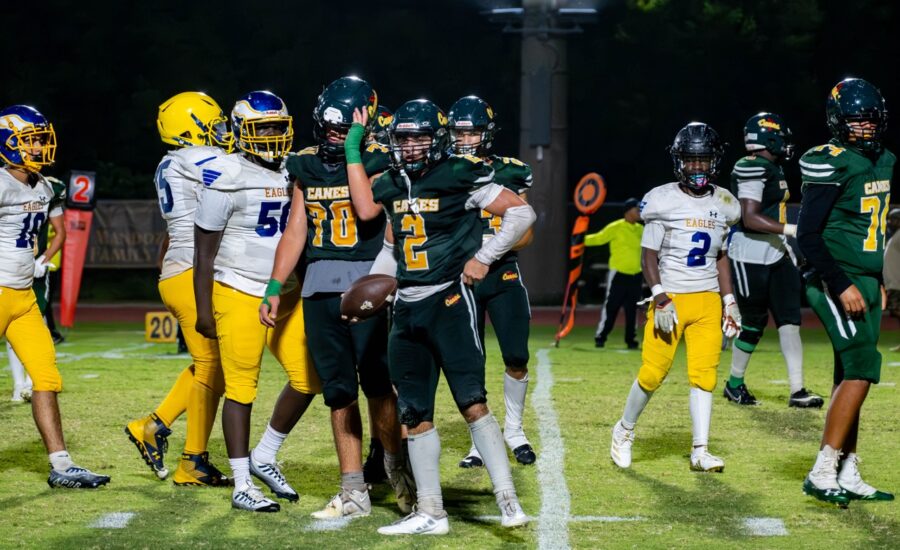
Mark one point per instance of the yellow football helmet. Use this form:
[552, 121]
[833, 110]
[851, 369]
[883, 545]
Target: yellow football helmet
[194, 118]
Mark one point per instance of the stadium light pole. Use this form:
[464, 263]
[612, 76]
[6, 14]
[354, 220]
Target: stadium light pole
[543, 134]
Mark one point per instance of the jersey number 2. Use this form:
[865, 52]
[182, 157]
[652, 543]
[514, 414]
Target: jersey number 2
[697, 256]
[416, 260]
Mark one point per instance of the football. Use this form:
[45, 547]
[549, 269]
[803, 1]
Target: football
[368, 296]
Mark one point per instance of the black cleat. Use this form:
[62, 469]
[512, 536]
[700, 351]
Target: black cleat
[599, 342]
[740, 395]
[76, 478]
[632, 345]
[373, 468]
[471, 461]
[524, 454]
[804, 399]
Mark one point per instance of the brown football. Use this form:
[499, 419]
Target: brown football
[368, 296]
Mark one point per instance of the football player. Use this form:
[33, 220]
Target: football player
[502, 293]
[841, 232]
[433, 204]
[22, 383]
[763, 270]
[685, 266]
[195, 126]
[340, 249]
[27, 145]
[381, 123]
[243, 208]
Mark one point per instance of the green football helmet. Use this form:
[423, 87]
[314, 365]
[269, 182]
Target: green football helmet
[472, 114]
[854, 100]
[381, 125]
[334, 111]
[768, 132]
[413, 119]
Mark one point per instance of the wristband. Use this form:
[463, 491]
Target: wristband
[656, 289]
[790, 230]
[728, 299]
[272, 289]
[352, 142]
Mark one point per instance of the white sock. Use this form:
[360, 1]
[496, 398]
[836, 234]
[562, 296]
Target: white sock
[489, 442]
[514, 398]
[425, 458]
[61, 461]
[240, 471]
[701, 413]
[822, 476]
[739, 361]
[792, 349]
[19, 375]
[638, 398]
[268, 446]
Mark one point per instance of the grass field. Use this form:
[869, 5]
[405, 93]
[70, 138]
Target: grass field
[111, 376]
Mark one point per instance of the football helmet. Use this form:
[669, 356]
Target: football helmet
[472, 114]
[417, 118]
[193, 118]
[768, 132]
[854, 100]
[334, 111]
[379, 133]
[696, 154]
[27, 139]
[262, 126]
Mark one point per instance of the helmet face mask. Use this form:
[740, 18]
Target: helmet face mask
[418, 136]
[696, 154]
[27, 139]
[768, 132]
[471, 116]
[856, 114]
[194, 119]
[469, 142]
[333, 114]
[263, 127]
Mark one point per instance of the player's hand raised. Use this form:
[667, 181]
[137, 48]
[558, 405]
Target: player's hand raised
[664, 316]
[268, 311]
[474, 271]
[853, 302]
[731, 317]
[361, 116]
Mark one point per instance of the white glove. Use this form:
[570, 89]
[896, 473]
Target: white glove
[41, 266]
[664, 317]
[731, 316]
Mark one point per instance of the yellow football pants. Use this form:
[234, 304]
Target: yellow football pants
[700, 321]
[22, 324]
[242, 339]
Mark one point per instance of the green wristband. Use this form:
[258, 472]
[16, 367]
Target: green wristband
[272, 289]
[354, 139]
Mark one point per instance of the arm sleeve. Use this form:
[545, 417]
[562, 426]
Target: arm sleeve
[600, 237]
[483, 196]
[814, 210]
[750, 189]
[214, 210]
[653, 235]
[516, 222]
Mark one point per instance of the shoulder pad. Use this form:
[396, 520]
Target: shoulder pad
[655, 203]
[312, 150]
[520, 171]
[198, 156]
[376, 148]
[728, 205]
[222, 173]
[824, 164]
[751, 168]
[470, 170]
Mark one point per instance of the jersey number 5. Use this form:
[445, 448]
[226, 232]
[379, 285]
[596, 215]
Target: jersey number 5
[416, 260]
[872, 206]
[163, 189]
[268, 224]
[697, 256]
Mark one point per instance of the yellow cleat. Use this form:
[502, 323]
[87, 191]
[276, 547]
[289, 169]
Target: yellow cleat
[195, 470]
[149, 436]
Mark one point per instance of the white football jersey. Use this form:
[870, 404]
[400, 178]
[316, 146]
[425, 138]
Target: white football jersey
[688, 232]
[251, 204]
[23, 210]
[179, 179]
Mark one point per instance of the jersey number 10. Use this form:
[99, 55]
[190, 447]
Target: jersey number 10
[30, 227]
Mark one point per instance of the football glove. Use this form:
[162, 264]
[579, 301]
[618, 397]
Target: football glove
[664, 317]
[41, 265]
[731, 317]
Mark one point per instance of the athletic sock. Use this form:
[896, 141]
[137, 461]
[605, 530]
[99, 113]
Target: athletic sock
[268, 446]
[392, 462]
[489, 442]
[240, 471]
[792, 349]
[514, 398]
[17, 368]
[739, 361]
[638, 398]
[425, 457]
[701, 413]
[60, 461]
[177, 401]
[353, 481]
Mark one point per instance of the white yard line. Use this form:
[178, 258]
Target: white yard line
[328, 524]
[115, 520]
[115, 353]
[765, 527]
[553, 522]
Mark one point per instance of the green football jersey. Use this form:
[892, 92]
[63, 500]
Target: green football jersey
[762, 180]
[514, 175]
[334, 233]
[855, 230]
[435, 243]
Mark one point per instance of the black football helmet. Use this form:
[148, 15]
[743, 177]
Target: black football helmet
[334, 111]
[768, 132]
[381, 125]
[855, 100]
[418, 117]
[694, 145]
[472, 114]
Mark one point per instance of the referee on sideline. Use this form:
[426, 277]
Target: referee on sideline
[623, 283]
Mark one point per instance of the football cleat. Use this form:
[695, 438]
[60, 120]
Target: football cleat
[149, 435]
[632, 345]
[21, 394]
[599, 342]
[524, 454]
[404, 485]
[805, 400]
[274, 479]
[417, 523]
[835, 496]
[196, 470]
[472, 460]
[250, 498]
[620, 449]
[511, 513]
[346, 504]
[740, 395]
[76, 478]
[851, 482]
[703, 461]
[373, 468]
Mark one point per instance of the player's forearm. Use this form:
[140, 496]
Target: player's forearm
[206, 246]
[650, 268]
[815, 208]
[360, 186]
[288, 253]
[516, 222]
[724, 274]
[59, 238]
[765, 224]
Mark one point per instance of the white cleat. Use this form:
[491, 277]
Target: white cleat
[511, 513]
[702, 461]
[620, 450]
[249, 497]
[417, 523]
[346, 504]
[271, 475]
